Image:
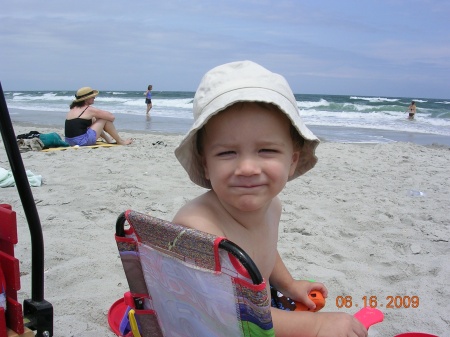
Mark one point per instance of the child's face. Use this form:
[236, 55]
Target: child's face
[248, 155]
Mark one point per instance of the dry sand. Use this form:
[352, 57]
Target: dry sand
[350, 223]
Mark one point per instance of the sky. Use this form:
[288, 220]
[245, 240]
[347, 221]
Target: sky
[388, 48]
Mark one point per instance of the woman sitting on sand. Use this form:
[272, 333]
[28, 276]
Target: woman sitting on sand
[84, 123]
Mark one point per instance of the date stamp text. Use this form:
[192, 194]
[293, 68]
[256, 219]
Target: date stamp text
[389, 302]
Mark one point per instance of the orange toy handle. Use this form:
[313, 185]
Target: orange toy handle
[317, 297]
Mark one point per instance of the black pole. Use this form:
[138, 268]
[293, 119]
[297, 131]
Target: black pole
[37, 310]
[23, 186]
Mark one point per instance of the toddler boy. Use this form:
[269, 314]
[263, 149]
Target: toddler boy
[246, 143]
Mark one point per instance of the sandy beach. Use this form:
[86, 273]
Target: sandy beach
[352, 223]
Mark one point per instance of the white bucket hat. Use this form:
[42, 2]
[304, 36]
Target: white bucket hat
[242, 81]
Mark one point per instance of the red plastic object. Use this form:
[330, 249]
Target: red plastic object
[315, 296]
[415, 334]
[369, 316]
[10, 266]
[3, 332]
[115, 315]
[8, 234]
[14, 317]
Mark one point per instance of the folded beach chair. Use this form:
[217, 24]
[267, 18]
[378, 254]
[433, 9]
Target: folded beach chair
[185, 282]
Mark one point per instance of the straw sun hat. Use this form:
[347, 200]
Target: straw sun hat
[85, 93]
[243, 81]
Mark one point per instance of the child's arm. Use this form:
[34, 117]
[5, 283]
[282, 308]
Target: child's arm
[282, 280]
[303, 323]
[316, 324]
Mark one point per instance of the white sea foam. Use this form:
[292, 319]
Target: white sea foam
[310, 105]
[334, 111]
[45, 97]
[376, 99]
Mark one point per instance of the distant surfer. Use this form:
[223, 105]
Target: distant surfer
[148, 99]
[412, 110]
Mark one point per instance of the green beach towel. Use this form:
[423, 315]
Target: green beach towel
[52, 140]
[7, 179]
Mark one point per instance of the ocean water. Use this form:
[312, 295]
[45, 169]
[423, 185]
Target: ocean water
[338, 118]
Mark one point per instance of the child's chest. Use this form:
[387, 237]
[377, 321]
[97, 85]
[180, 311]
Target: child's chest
[262, 248]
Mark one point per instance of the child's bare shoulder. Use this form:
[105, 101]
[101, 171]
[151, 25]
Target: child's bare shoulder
[199, 213]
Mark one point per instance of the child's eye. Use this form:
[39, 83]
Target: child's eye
[268, 151]
[225, 153]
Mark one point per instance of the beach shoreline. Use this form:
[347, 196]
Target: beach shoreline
[179, 126]
[352, 222]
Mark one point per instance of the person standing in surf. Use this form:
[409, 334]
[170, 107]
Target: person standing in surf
[412, 110]
[148, 98]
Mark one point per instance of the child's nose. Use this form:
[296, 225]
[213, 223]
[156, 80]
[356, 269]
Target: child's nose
[247, 166]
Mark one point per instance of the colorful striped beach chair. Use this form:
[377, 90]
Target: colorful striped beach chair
[185, 282]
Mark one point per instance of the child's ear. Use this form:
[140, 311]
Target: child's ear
[294, 162]
[205, 168]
